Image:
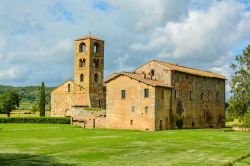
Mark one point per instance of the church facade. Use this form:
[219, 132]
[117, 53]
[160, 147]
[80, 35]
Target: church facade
[156, 96]
[86, 90]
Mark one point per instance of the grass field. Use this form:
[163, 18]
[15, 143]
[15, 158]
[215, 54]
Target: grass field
[53, 144]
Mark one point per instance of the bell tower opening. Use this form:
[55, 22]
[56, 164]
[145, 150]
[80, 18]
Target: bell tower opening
[82, 47]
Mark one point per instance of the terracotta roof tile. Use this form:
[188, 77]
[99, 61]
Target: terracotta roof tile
[88, 37]
[138, 77]
[189, 70]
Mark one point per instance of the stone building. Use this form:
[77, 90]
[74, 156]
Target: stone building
[156, 96]
[160, 95]
[86, 90]
[132, 101]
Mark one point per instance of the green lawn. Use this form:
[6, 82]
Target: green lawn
[54, 144]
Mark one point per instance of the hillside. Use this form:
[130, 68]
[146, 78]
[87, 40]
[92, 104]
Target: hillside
[29, 94]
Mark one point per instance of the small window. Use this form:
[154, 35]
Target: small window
[131, 122]
[96, 47]
[175, 93]
[96, 78]
[82, 63]
[146, 110]
[144, 75]
[202, 96]
[146, 93]
[217, 96]
[123, 94]
[81, 78]
[190, 95]
[82, 47]
[208, 95]
[133, 109]
[152, 72]
[69, 88]
[96, 63]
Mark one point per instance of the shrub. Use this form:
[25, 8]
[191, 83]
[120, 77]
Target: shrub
[179, 123]
[246, 119]
[59, 120]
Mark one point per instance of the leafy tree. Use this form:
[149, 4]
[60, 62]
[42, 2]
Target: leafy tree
[240, 101]
[42, 100]
[9, 101]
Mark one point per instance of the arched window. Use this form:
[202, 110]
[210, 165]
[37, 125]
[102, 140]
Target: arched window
[144, 75]
[217, 96]
[96, 63]
[96, 47]
[68, 87]
[82, 47]
[208, 95]
[96, 78]
[81, 77]
[82, 63]
[202, 96]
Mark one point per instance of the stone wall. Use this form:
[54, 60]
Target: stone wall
[199, 100]
[92, 70]
[161, 73]
[134, 112]
[88, 119]
[62, 99]
[162, 108]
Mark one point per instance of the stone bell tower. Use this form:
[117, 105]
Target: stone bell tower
[89, 67]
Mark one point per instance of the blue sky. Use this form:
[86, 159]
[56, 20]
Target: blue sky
[36, 37]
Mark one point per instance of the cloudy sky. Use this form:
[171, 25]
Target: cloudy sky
[36, 36]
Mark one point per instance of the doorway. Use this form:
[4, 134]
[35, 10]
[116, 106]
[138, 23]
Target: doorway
[93, 123]
[160, 124]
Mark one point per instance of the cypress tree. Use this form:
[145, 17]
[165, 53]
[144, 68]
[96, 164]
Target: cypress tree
[42, 100]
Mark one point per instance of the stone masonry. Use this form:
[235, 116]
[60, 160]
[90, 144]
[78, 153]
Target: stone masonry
[156, 96]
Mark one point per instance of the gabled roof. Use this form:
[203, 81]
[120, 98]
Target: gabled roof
[89, 37]
[189, 70]
[138, 77]
[71, 81]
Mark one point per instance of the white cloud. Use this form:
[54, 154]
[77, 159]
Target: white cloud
[147, 14]
[14, 73]
[37, 37]
[204, 35]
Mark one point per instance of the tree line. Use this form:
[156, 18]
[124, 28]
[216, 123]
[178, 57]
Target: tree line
[28, 94]
[10, 98]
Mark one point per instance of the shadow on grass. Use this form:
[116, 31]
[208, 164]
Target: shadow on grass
[24, 159]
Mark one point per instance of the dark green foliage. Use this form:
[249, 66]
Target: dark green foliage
[239, 103]
[8, 102]
[29, 95]
[42, 100]
[59, 120]
[246, 120]
[179, 123]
